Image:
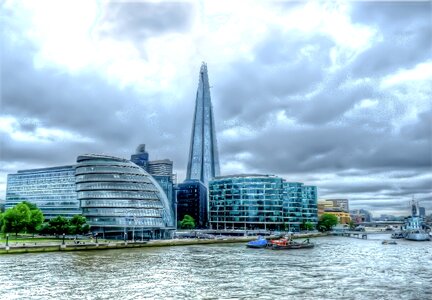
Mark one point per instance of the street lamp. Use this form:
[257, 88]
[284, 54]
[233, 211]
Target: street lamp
[96, 236]
[63, 239]
[7, 239]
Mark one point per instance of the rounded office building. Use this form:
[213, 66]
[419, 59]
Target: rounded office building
[249, 202]
[120, 199]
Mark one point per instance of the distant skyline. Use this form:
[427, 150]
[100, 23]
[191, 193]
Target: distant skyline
[335, 94]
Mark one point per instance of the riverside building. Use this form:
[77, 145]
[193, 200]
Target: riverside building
[51, 189]
[119, 198]
[336, 207]
[253, 201]
[192, 200]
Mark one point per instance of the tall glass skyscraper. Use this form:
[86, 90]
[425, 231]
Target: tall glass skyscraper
[203, 161]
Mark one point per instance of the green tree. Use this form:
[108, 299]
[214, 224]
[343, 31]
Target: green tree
[78, 225]
[351, 224]
[309, 226]
[188, 222]
[326, 222]
[58, 225]
[36, 218]
[15, 219]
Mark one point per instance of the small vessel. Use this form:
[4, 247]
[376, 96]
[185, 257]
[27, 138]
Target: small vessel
[258, 243]
[389, 243]
[289, 244]
[397, 235]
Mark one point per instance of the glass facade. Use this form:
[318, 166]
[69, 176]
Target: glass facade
[293, 205]
[192, 200]
[203, 163]
[246, 202]
[260, 202]
[51, 189]
[118, 196]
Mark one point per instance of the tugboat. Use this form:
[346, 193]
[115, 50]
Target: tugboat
[413, 229]
[258, 243]
[289, 244]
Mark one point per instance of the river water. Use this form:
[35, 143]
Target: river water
[337, 268]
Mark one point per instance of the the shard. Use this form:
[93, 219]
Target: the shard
[203, 161]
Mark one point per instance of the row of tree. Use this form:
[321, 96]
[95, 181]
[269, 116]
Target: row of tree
[60, 225]
[26, 217]
[325, 223]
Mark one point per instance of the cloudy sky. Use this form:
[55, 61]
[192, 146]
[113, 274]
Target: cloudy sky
[331, 93]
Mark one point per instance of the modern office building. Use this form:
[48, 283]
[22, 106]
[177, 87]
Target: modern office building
[422, 212]
[141, 157]
[162, 167]
[51, 189]
[293, 205]
[342, 204]
[310, 204]
[203, 163]
[121, 199]
[192, 200]
[253, 201]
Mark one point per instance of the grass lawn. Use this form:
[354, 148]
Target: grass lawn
[41, 239]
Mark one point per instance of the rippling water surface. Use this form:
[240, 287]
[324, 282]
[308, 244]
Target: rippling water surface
[337, 268]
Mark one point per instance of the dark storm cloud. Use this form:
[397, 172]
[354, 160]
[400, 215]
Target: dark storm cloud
[140, 20]
[285, 64]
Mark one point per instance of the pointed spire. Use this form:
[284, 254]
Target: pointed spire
[203, 161]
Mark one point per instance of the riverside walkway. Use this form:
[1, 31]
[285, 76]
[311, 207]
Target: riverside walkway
[52, 246]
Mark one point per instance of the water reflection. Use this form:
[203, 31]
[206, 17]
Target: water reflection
[338, 268]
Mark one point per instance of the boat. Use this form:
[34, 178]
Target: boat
[258, 243]
[389, 243]
[397, 235]
[414, 226]
[289, 244]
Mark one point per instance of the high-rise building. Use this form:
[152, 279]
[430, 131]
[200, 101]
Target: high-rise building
[162, 167]
[422, 212]
[203, 163]
[192, 201]
[141, 157]
[51, 189]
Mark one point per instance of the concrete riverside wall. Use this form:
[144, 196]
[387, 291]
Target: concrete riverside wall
[137, 244]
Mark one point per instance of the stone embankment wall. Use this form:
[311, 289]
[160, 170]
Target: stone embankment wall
[122, 245]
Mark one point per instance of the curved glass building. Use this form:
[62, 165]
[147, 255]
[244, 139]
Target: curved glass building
[119, 198]
[246, 202]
